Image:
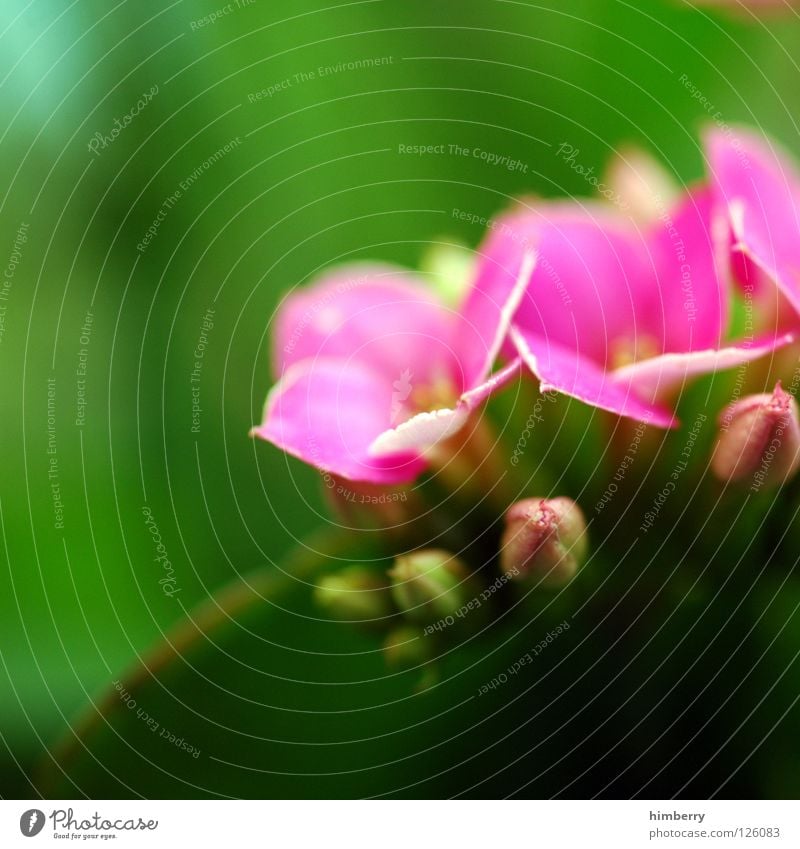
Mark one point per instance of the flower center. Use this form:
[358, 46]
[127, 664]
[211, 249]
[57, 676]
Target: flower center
[626, 351]
[438, 395]
[410, 398]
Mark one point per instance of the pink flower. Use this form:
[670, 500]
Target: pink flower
[374, 370]
[613, 316]
[759, 187]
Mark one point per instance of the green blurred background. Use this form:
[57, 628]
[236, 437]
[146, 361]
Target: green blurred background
[315, 177]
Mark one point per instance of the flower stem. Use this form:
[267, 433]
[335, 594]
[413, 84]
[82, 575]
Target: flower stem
[473, 466]
[229, 603]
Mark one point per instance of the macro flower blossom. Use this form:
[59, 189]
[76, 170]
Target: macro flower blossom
[758, 185]
[374, 370]
[616, 314]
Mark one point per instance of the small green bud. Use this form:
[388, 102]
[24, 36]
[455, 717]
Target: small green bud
[355, 593]
[451, 268]
[405, 647]
[639, 184]
[545, 539]
[430, 584]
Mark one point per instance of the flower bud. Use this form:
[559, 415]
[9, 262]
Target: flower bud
[449, 268]
[640, 185]
[545, 538]
[759, 440]
[354, 593]
[405, 647]
[430, 584]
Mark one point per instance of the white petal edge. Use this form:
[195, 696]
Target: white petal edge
[420, 432]
[509, 308]
[663, 372]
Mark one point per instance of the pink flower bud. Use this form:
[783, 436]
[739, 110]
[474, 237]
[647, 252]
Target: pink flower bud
[759, 440]
[545, 538]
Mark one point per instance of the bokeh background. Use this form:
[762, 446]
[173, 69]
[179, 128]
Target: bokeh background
[679, 675]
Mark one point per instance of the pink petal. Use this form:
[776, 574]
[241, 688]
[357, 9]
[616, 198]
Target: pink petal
[689, 251]
[593, 283]
[564, 370]
[487, 312]
[377, 314]
[661, 373]
[760, 187]
[748, 276]
[328, 413]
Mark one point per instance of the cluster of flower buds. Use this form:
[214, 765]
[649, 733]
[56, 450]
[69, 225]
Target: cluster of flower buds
[431, 591]
[759, 440]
